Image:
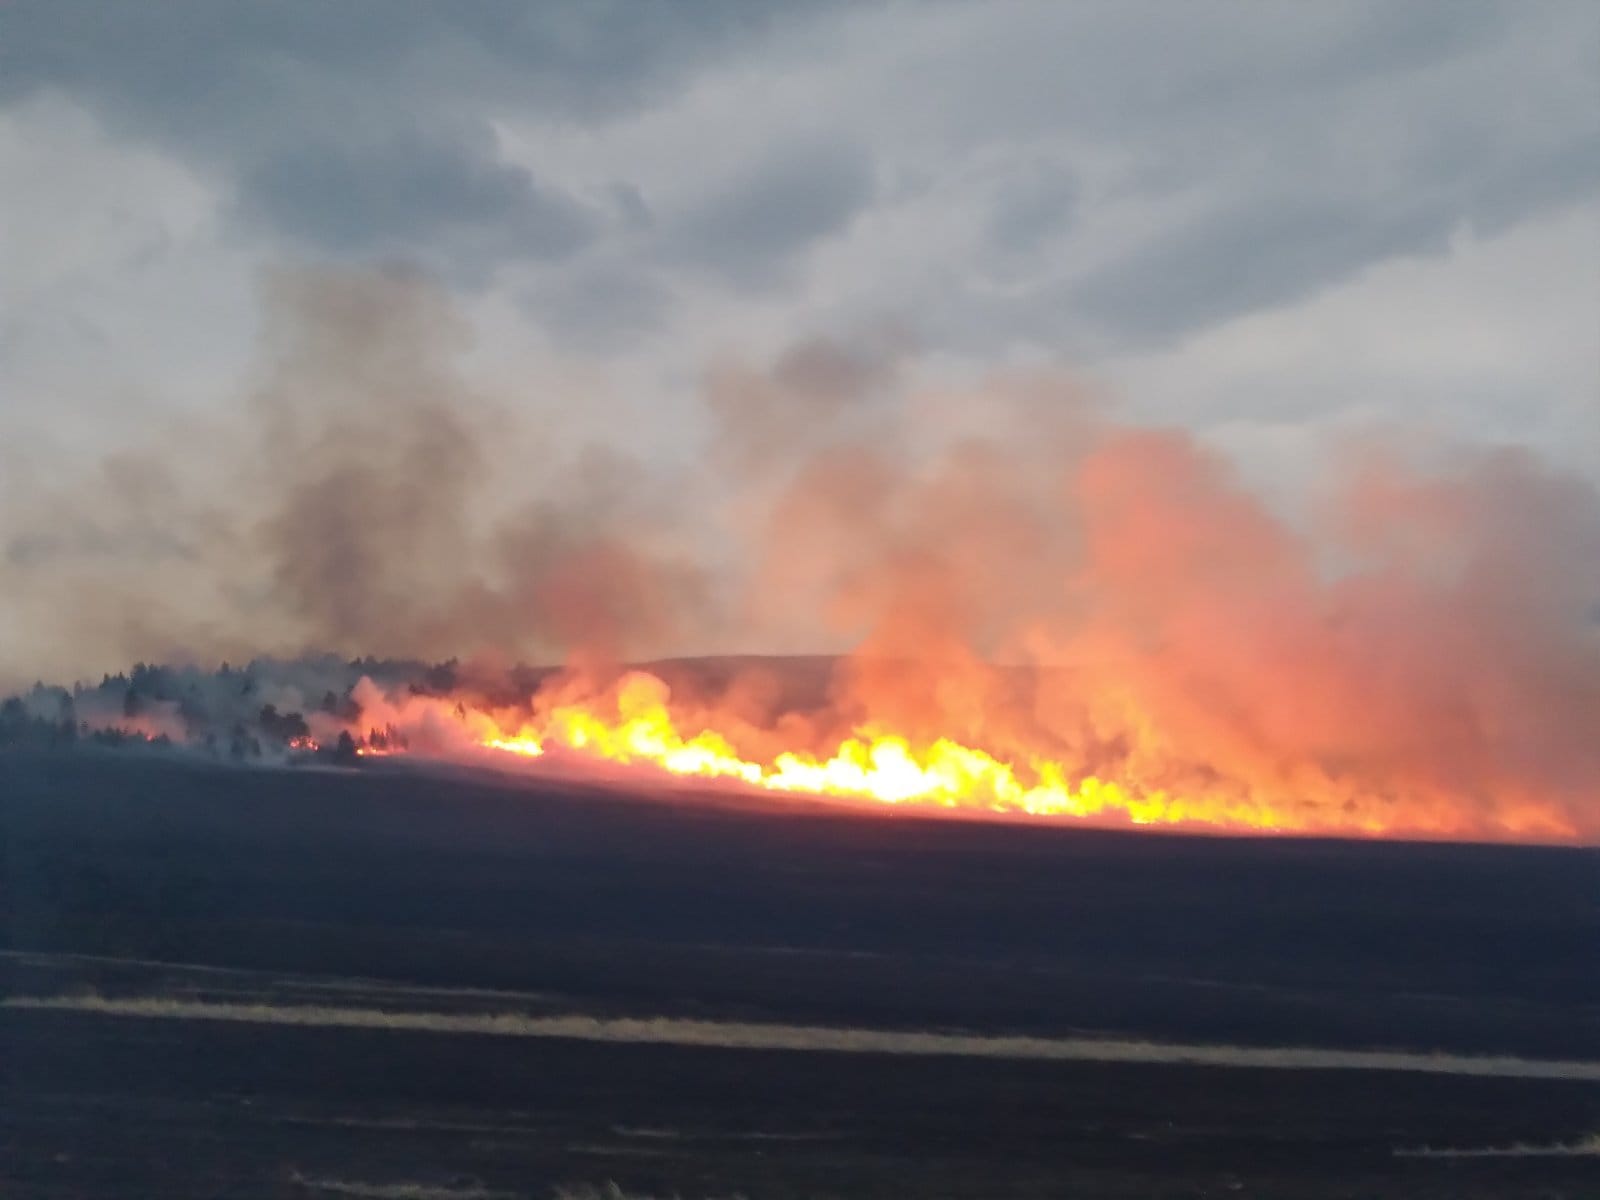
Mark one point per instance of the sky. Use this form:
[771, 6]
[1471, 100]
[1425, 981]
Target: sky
[1271, 224]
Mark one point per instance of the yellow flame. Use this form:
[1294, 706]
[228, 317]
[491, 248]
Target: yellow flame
[882, 767]
[634, 724]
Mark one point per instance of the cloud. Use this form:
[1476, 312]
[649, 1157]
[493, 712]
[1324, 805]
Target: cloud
[1027, 211]
[1494, 339]
[622, 193]
[193, 67]
[773, 210]
[599, 306]
[442, 202]
[1251, 253]
[362, 128]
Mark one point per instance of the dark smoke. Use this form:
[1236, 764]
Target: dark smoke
[1008, 565]
[363, 505]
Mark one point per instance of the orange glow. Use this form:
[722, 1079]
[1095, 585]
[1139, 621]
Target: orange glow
[634, 725]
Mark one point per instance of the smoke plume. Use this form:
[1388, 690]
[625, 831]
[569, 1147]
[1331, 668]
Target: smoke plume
[1003, 566]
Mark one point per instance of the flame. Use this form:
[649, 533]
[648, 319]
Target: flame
[635, 727]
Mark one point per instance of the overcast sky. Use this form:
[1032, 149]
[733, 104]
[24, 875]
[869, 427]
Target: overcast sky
[1260, 220]
[1269, 223]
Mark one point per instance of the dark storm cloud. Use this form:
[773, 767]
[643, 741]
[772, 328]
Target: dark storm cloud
[175, 68]
[1234, 156]
[359, 127]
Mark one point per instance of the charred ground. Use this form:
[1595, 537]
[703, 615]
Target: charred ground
[293, 881]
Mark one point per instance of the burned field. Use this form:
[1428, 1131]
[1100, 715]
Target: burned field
[208, 932]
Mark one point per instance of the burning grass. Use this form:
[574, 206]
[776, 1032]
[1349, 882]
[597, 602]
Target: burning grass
[1042, 610]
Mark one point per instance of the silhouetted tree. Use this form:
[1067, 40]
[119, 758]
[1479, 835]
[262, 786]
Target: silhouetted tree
[282, 726]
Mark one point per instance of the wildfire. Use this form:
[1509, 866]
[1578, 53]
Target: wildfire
[884, 768]
[636, 727]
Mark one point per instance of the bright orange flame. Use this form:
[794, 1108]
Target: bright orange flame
[637, 727]
[634, 725]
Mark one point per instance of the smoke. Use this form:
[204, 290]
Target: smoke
[371, 499]
[369, 444]
[1448, 659]
[1004, 565]
[1429, 647]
